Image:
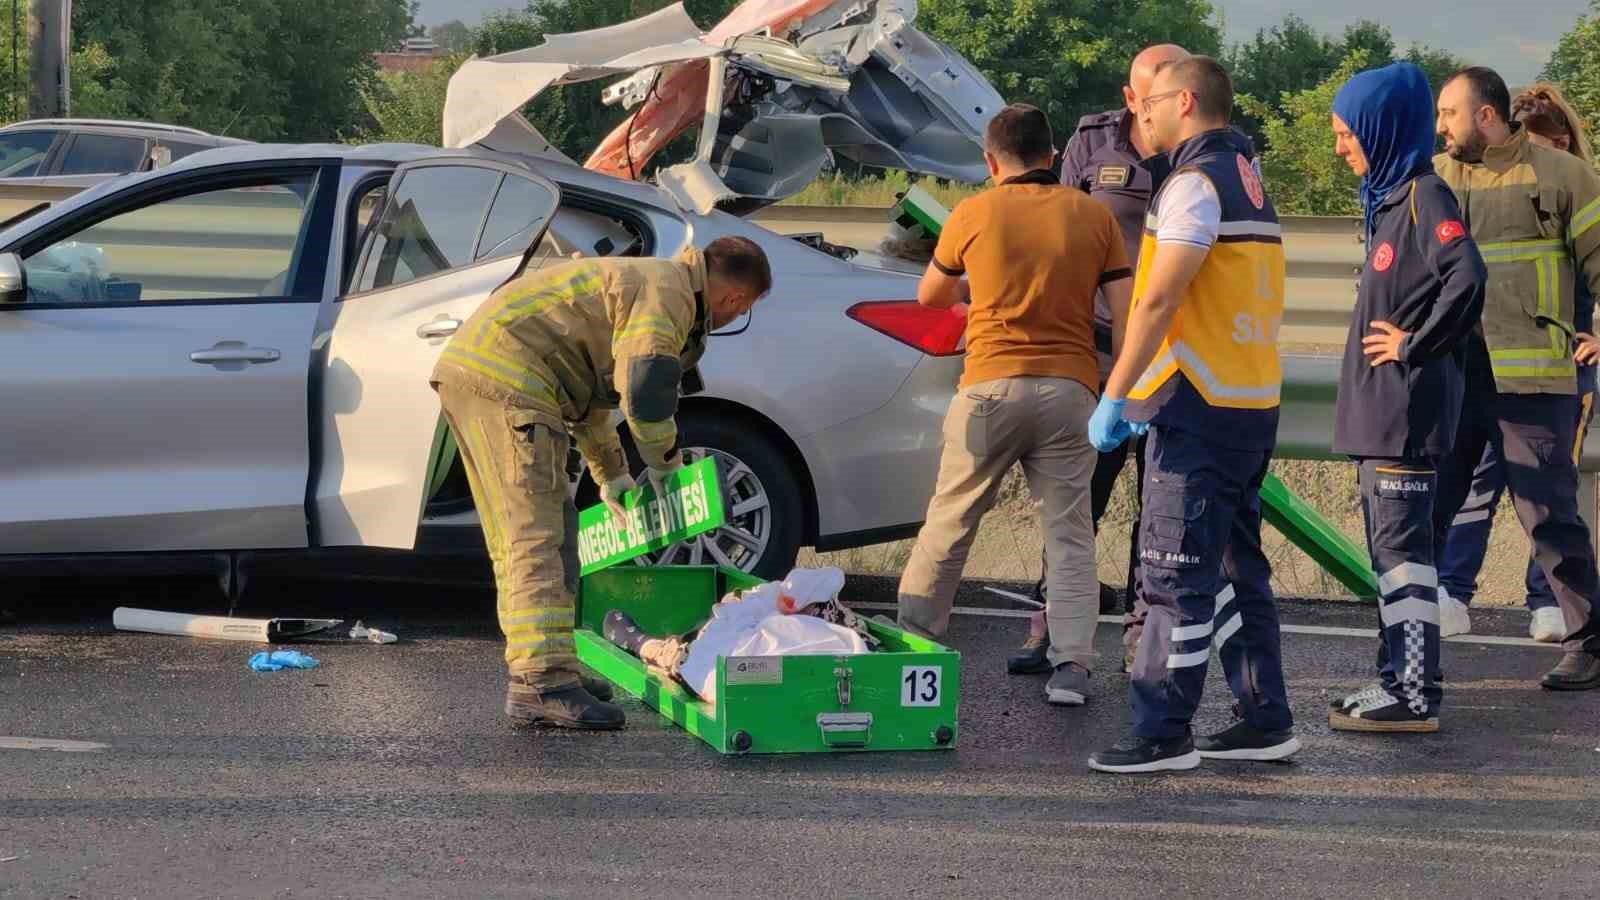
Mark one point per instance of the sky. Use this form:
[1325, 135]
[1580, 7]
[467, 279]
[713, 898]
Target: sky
[1514, 39]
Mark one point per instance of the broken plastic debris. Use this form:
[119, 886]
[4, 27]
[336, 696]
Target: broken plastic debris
[362, 633]
[281, 659]
[126, 618]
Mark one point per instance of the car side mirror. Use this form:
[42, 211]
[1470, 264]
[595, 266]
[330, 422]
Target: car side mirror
[13, 279]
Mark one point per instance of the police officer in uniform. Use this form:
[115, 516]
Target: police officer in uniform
[1400, 387]
[1199, 370]
[1103, 160]
[1535, 214]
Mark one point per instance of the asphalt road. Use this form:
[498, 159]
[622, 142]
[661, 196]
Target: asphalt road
[389, 771]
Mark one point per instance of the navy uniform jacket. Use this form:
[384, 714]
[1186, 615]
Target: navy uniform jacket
[1101, 161]
[1424, 275]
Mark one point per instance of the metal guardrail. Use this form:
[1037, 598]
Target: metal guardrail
[1324, 258]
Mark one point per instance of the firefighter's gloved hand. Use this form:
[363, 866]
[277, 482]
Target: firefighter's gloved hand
[611, 495]
[657, 475]
[1107, 428]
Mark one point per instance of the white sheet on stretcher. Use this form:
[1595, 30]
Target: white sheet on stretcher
[758, 625]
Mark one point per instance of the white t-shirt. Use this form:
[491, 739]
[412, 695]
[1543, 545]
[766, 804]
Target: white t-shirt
[1189, 212]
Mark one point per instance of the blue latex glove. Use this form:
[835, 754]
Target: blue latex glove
[1107, 428]
[281, 659]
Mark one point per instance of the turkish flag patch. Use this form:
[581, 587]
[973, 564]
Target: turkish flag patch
[1449, 231]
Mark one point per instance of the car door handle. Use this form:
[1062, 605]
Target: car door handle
[441, 327]
[234, 352]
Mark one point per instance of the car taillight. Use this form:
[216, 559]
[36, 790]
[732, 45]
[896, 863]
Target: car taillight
[936, 332]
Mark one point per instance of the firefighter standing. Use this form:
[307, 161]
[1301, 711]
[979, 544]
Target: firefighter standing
[551, 354]
[1551, 122]
[1199, 364]
[1400, 387]
[1533, 212]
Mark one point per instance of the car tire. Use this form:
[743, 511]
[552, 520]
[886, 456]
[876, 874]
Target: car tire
[759, 482]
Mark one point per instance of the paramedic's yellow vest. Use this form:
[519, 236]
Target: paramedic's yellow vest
[1218, 371]
[1533, 212]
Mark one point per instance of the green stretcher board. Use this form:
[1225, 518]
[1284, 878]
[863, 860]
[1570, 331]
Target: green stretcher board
[1319, 538]
[903, 696]
[693, 506]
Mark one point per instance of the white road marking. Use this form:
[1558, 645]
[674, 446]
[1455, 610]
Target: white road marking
[1317, 630]
[31, 743]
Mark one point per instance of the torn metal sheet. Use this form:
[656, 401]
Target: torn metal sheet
[228, 628]
[485, 91]
[777, 88]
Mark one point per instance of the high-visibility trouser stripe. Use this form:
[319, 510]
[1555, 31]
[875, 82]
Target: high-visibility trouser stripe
[1584, 220]
[557, 641]
[1407, 574]
[1409, 609]
[551, 616]
[1467, 518]
[522, 379]
[1180, 355]
[1202, 630]
[1232, 624]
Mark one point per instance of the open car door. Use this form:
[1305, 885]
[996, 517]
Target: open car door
[452, 230]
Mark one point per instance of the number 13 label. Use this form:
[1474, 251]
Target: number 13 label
[919, 686]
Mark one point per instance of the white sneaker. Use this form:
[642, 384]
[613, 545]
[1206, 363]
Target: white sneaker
[1453, 618]
[1549, 626]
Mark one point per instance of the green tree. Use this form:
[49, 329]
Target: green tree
[1302, 174]
[1575, 65]
[1068, 57]
[1291, 58]
[264, 69]
[453, 36]
[408, 107]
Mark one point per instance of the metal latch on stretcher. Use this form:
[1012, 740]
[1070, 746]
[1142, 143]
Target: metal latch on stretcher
[845, 729]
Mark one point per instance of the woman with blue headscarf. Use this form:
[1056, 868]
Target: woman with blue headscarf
[1401, 386]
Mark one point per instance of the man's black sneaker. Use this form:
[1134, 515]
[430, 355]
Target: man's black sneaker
[1244, 741]
[1578, 671]
[1136, 754]
[1033, 658]
[1380, 711]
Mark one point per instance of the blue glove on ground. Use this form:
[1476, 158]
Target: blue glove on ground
[1107, 428]
[281, 659]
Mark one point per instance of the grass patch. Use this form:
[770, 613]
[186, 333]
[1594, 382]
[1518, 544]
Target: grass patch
[834, 189]
[1008, 543]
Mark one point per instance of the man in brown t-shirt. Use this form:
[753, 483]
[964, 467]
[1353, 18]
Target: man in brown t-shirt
[1028, 256]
